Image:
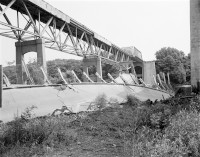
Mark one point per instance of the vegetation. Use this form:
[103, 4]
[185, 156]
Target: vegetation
[166, 128]
[65, 65]
[175, 62]
[162, 128]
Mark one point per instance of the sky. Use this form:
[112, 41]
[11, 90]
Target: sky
[149, 25]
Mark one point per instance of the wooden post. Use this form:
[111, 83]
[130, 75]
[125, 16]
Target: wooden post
[160, 82]
[88, 78]
[97, 74]
[79, 81]
[164, 77]
[155, 80]
[168, 79]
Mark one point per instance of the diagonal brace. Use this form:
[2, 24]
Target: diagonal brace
[7, 7]
[33, 22]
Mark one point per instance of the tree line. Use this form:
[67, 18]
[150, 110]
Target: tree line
[65, 65]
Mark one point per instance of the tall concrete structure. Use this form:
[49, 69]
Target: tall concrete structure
[149, 69]
[195, 42]
[1, 80]
[25, 47]
[94, 61]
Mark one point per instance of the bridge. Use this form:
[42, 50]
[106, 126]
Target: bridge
[60, 31]
[39, 25]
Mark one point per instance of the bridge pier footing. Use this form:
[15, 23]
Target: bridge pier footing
[29, 46]
[94, 61]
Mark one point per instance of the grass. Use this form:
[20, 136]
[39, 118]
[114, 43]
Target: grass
[141, 129]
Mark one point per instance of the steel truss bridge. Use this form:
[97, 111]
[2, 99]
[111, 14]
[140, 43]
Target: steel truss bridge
[37, 19]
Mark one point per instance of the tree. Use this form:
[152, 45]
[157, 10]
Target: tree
[108, 68]
[171, 60]
[10, 72]
[65, 66]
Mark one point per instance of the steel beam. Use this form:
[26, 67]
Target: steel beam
[30, 16]
[8, 21]
[46, 26]
[26, 28]
[7, 7]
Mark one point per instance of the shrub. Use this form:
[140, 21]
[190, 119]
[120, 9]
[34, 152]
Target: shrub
[49, 131]
[99, 103]
[180, 138]
[132, 101]
[184, 132]
[28, 113]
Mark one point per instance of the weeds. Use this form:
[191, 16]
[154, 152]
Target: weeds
[162, 128]
[36, 132]
[28, 113]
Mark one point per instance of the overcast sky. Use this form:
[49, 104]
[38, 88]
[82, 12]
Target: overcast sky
[148, 25]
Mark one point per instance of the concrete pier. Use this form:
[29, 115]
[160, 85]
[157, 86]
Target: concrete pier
[1, 75]
[29, 46]
[1, 80]
[149, 69]
[195, 43]
[93, 61]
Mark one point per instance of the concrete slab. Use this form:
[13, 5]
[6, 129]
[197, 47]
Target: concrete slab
[49, 98]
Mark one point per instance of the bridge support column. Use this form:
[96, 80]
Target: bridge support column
[95, 61]
[29, 46]
[1, 81]
[195, 43]
[149, 71]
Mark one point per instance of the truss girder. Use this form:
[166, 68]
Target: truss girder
[64, 35]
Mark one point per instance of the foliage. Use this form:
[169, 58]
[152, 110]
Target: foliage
[28, 113]
[132, 101]
[161, 128]
[180, 138]
[173, 61]
[65, 66]
[37, 132]
[108, 68]
[52, 69]
[35, 72]
[10, 72]
[99, 103]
